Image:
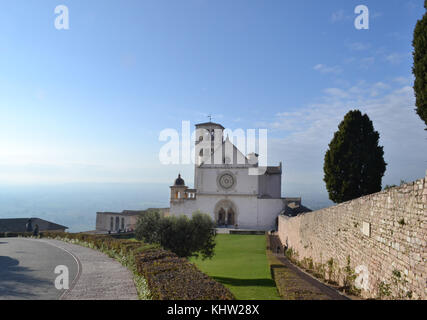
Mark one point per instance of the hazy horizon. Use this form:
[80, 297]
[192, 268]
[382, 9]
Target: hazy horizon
[75, 204]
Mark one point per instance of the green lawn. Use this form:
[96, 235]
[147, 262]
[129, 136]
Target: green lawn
[240, 263]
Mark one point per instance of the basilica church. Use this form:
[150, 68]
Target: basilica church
[226, 188]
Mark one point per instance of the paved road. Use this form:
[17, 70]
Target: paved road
[27, 272]
[101, 277]
[27, 269]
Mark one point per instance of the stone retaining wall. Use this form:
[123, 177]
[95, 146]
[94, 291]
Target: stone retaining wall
[384, 234]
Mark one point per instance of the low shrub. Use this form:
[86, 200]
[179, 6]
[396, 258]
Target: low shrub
[170, 277]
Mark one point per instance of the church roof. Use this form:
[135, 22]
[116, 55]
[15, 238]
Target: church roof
[294, 208]
[274, 170]
[129, 213]
[179, 181]
[209, 124]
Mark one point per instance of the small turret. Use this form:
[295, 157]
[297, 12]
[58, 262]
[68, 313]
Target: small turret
[179, 181]
[178, 190]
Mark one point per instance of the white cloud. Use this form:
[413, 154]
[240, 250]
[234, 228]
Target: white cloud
[327, 69]
[336, 92]
[312, 127]
[378, 88]
[358, 46]
[407, 81]
[396, 58]
[374, 15]
[365, 63]
[339, 15]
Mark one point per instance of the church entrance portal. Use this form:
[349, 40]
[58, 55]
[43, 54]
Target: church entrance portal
[225, 214]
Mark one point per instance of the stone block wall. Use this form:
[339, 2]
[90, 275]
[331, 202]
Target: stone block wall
[384, 234]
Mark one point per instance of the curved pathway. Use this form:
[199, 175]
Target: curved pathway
[27, 272]
[27, 269]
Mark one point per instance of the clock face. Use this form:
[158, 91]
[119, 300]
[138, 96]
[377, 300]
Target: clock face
[226, 181]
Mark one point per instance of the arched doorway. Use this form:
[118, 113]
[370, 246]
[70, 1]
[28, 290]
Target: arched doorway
[221, 217]
[226, 214]
[230, 217]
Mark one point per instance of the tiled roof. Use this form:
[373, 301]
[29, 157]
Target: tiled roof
[274, 170]
[293, 209]
[123, 213]
[134, 212]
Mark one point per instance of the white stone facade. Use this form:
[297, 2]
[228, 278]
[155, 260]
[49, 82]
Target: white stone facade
[225, 190]
[116, 221]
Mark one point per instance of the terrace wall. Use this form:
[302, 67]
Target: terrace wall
[384, 234]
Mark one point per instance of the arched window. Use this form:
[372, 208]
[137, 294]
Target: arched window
[123, 224]
[117, 223]
[111, 224]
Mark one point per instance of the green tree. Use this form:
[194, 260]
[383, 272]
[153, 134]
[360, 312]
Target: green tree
[203, 231]
[175, 235]
[147, 227]
[354, 164]
[181, 235]
[420, 66]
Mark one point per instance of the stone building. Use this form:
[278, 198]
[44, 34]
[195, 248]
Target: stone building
[228, 185]
[121, 221]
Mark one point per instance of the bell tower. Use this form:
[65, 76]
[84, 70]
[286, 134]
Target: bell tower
[209, 135]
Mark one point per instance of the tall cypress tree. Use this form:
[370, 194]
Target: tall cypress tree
[354, 164]
[420, 66]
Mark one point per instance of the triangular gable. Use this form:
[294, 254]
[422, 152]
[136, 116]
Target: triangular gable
[227, 150]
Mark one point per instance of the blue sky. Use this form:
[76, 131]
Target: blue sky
[88, 104]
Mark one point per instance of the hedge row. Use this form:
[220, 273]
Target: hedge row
[168, 276]
[12, 234]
